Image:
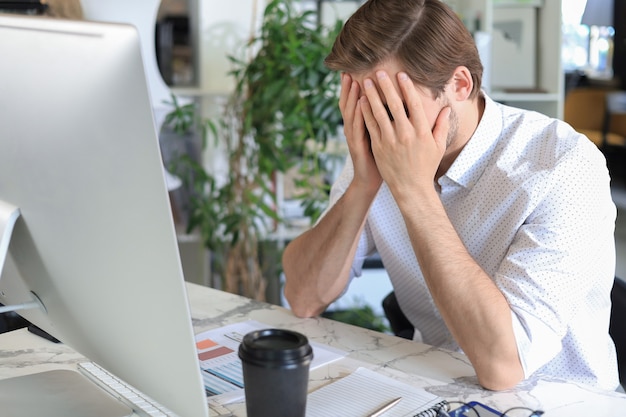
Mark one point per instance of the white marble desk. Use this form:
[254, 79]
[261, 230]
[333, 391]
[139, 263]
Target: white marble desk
[444, 373]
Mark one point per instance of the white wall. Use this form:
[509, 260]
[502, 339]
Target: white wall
[223, 28]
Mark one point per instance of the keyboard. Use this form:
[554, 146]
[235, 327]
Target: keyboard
[141, 404]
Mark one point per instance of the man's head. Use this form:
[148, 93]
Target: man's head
[425, 37]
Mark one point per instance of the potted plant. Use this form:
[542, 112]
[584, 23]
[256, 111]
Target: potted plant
[281, 114]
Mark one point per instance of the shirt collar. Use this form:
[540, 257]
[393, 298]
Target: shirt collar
[473, 159]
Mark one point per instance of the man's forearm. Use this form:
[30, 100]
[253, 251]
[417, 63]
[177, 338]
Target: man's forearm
[474, 309]
[317, 263]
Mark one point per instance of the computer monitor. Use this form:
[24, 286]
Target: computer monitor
[94, 240]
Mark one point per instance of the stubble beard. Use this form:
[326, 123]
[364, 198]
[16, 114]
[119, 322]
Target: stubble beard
[453, 128]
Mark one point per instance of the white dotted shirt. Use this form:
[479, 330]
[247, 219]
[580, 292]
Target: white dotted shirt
[530, 199]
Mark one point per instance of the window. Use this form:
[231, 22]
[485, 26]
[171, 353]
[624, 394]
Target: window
[586, 47]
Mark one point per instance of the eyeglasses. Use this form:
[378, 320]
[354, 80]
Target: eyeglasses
[462, 409]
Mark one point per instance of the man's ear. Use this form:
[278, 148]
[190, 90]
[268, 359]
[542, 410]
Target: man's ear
[461, 83]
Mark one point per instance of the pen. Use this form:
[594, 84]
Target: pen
[385, 407]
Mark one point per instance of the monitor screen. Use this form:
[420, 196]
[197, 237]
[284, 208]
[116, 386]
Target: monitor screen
[94, 241]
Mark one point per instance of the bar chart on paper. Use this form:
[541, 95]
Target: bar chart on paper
[220, 364]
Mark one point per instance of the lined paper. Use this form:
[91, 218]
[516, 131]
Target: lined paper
[363, 392]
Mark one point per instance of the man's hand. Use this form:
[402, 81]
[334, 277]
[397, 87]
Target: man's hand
[365, 170]
[407, 149]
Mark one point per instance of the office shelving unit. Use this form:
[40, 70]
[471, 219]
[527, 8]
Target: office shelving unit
[546, 95]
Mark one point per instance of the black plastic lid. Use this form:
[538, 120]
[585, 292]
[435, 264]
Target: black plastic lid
[275, 346]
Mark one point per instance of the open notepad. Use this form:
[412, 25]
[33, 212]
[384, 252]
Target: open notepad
[364, 391]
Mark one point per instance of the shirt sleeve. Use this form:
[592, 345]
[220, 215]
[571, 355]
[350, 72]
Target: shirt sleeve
[561, 252]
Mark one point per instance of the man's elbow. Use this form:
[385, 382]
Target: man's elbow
[304, 313]
[301, 306]
[501, 377]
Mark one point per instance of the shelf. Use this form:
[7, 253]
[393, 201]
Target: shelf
[517, 3]
[544, 90]
[504, 96]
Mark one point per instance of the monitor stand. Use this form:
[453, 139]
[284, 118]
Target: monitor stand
[57, 393]
[8, 216]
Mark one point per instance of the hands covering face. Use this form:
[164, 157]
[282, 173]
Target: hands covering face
[357, 136]
[403, 150]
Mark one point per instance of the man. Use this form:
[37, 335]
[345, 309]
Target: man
[494, 224]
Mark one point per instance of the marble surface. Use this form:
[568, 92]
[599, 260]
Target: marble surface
[447, 374]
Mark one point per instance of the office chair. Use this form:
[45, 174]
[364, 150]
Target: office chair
[401, 326]
[585, 109]
[617, 327]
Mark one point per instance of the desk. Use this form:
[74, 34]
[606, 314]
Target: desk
[447, 374]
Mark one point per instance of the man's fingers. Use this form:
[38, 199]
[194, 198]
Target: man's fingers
[358, 124]
[414, 105]
[394, 102]
[442, 126]
[376, 109]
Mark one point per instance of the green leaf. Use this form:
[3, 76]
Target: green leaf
[283, 96]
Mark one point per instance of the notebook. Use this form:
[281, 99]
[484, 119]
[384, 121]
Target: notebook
[364, 391]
